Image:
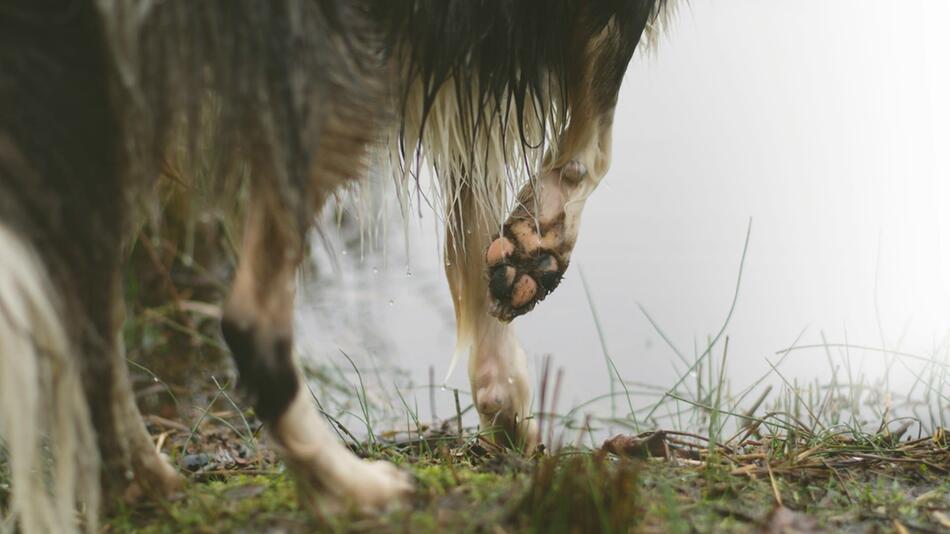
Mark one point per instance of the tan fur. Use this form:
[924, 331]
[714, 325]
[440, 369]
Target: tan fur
[551, 194]
[493, 166]
[497, 364]
[41, 396]
[330, 475]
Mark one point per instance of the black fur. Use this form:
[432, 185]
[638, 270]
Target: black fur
[501, 51]
[60, 185]
[267, 372]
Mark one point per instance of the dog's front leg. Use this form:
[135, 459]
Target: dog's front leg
[497, 366]
[528, 258]
[257, 326]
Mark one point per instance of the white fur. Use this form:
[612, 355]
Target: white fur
[502, 165]
[659, 23]
[494, 165]
[312, 448]
[41, 398]
[498, 371]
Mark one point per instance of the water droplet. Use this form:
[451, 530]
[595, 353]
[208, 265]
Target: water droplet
[375, 270]
[391, 302]
[448, 264]
[409, 274]
[443, 388]
[511, 380]
[344, 252]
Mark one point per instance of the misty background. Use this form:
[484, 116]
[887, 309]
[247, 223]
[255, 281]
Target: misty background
[825, 123]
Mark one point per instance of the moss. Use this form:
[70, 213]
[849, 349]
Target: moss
[232, 504]
[572, 493]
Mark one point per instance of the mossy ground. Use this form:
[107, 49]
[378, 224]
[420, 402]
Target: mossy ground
[804, 459]
[466, 489]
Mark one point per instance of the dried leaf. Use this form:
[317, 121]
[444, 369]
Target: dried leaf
[641, 446]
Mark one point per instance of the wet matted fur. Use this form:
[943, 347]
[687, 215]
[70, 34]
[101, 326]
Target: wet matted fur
[501, 100]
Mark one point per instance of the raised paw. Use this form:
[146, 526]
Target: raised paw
[521, 271]
[527, 260]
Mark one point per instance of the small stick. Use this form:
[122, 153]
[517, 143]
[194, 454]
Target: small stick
[554, 398]
[775, 493]
[545, 371]
[458, 411]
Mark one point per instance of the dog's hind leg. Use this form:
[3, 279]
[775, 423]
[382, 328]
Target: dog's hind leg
[132, 467]
[63, 208]
[497, 365]
[528, 258]
[257, 326]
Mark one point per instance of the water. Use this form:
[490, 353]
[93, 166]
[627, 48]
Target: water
[830, 131]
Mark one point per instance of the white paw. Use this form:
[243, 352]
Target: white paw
[380, 485]
[368, 486]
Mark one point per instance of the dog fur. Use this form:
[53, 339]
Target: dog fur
[503, 101]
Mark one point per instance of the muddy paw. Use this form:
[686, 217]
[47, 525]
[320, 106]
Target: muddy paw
[526, 262]
[521, 270]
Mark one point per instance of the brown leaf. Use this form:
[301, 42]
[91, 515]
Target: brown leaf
[641, 446]
[942, 518]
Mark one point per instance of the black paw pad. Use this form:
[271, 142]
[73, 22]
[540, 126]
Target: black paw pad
[501, 281]
[548, 273]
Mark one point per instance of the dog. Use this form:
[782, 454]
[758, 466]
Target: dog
[498, 99]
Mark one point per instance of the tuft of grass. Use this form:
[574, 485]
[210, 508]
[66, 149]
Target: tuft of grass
[580, 493]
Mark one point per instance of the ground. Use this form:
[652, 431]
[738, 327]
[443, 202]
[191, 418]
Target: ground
[657, 482]
[843, 456]
[831, 457]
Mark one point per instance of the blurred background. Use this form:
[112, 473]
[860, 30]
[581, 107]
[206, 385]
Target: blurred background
[826, 125]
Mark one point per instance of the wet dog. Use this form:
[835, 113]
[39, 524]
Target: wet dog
[500, 99]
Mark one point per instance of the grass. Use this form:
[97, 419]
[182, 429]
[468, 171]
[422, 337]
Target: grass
[464, 483]
[845, 454]
[771, 457]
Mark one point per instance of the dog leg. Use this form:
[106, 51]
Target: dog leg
[132, 467]
[257, 326]
[527, 260]
[497, 365]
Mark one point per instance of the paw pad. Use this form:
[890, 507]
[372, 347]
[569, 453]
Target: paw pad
[517, 280]
[527, 261]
